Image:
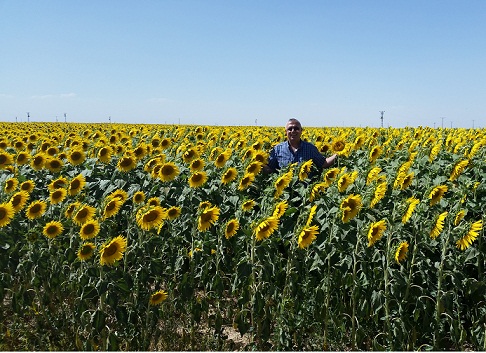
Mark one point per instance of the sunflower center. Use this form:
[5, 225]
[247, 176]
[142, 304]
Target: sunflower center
[51, 230]
[150, 216]
[3, 213]
[167, 170]
[75, 184]
[126, 162]
[110, 250]
[89, 229]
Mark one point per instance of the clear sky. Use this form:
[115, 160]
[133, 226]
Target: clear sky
[245, 62]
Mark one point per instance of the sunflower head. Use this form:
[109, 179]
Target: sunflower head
[53, 229]
[113, 251]
[158, 297]
[401, 252]
[7, 212]
[86, 251]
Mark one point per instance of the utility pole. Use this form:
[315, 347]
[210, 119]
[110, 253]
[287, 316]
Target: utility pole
[442, 117]
[64, 117]
[28, 117]
[382, 112]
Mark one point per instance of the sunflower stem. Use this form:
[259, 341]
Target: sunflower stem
[387, 292]
[353, 293]
[438, 305]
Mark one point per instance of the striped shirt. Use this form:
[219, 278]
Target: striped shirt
[282, 155]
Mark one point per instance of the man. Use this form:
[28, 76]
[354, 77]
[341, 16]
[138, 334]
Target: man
[296, 150]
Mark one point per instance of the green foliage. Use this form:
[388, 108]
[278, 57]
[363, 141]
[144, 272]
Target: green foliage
[338, 293]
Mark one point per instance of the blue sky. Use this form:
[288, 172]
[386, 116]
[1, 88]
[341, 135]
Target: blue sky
[251, 62]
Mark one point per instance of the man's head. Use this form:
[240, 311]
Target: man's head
[293, 129]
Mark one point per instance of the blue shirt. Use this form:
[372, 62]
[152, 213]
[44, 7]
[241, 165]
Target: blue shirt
[282, 155]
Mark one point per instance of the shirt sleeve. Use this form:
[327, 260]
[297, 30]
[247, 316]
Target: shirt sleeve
[272, 160]
[318, 159]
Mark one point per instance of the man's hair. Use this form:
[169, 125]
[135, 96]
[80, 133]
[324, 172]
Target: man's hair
[294, 120]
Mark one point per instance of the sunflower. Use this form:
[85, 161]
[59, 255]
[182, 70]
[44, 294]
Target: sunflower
[338, 145]
[375, 153]
[76, 185]
[7, 212]
[207, 217]
[22, 158]
[204, 204]
[57, 196]
[36, 209]
[221, 160]
[58, 183]
[412, 203]
[346, 180]
[246, 181]
[38, 161]
[305, 169]
[168, 171]
[150, 217]
[28, 186]
[459, 216]
[260, 156]
[248, 205]
[11, 185]
[165, 143]
[331, 175]
[120, 194]
[126, 163]
[439, 225]
[407, 181]
[437, 193]
[190, 154]
[112, 207]
[104, 154]
[282, 182]
[372, 175]
[89, 229]
[153, 201]
[52, 229]
[140, 151]
[376, 232]
[266, 228]
[113, 251]
[380, 192]
[158, 297]
[54, 164]
[18, 200]
[401, 252]
[231, 228]
[173, 212]
[254, 168]
[280, 209]
[196, 165]
[76, 157]
[350, 207]
[316, 190]
[83, 214]
[471, 235]
[458, 169]
[197, 179]
[86, 251]
[229, 175]
[307, 236]
[138, 197]
[6, 159]
[69, 212]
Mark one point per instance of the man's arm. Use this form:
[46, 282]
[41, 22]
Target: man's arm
[330, 161]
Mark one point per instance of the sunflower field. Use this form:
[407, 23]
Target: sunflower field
[171, 237]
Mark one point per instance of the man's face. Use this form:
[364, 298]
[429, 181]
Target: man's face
[293, 130]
